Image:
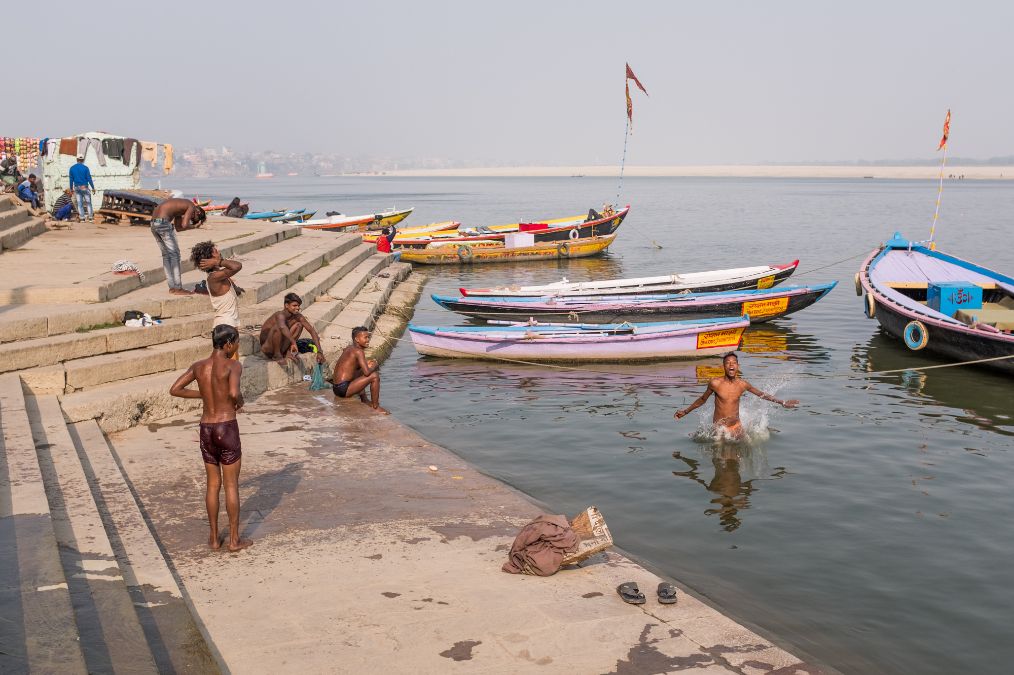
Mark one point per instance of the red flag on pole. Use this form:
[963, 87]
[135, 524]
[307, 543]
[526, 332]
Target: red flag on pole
[630, 104]
[943, 141]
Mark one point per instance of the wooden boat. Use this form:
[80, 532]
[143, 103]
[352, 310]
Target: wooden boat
[409, 232]
[215, 208]
[497, 252]
[761, 305]
[534, 341]
[940, 303]
[373, 221]
[742, 278]
[268, 215]
[559, 230]
[294, 217]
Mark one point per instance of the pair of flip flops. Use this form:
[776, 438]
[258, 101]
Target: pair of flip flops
[630, 593]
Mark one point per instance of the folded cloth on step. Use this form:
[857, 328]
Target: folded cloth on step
[121, 266]
[541, 546]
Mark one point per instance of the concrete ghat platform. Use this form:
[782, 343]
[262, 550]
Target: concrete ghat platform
[365, 561]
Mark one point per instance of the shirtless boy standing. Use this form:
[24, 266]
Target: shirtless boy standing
[281, 330]
[354, 373]
[218, 385]
[728, 390]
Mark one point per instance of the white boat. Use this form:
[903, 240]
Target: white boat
[534, 341]
[738, 279]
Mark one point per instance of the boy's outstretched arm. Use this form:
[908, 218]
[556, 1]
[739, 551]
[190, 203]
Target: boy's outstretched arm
[789, 403]
[695, 405]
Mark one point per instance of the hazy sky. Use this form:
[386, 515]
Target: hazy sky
[525, 82]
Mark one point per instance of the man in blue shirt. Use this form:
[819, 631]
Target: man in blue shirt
[27, 193]
[83, 186]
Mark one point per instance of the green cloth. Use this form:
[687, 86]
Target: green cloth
[318, 383]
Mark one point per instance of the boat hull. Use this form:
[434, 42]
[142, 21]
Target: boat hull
[468, 254]
[375, 221]
[945, 338]
[761, 306]
[742, 279]
[556, 233]
[676, 341]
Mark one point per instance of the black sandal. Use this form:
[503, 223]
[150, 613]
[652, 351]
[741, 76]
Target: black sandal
[666, 593]
[630, 593]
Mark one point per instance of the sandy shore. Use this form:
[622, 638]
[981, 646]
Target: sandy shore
[727, 171]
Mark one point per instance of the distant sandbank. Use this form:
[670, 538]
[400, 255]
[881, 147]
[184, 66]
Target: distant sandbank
[727, 171]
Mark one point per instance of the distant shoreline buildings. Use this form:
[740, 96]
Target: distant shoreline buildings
[222, 162]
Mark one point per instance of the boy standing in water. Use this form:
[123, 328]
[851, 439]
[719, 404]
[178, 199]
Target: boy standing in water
[218, 385]
[728, 390]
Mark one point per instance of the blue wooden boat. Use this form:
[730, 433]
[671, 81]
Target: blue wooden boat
[268, 215]
[939, 303]
[761, 304]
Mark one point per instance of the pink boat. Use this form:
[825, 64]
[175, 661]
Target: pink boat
[534, 341]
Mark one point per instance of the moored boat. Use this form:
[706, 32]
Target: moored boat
[939, 303]
[372, 221]
[268, 215]
[557, 230]
[535, 341]
[761, 305]
[498, 252]
[742, 278]
[294, 217]
[409, 232]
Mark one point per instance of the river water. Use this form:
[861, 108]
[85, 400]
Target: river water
[869, 528]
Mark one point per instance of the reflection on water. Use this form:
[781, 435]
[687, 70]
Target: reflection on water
[982, 395]
[732, 493]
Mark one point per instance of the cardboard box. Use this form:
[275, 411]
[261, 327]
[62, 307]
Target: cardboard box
[519, 239]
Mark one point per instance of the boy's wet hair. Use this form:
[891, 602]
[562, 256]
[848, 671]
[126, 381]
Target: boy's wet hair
[359, 329]
[199, 215]
[292, 297]
[201, 251]
[222, 335]
[731, 354]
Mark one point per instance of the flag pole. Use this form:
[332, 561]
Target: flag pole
[623, 162]
[940, 192]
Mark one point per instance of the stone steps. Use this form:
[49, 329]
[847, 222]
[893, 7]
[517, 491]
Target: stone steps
[111, 636]
[162, 610]
[18, 224]
[364, 309]
[177, 354]
[52, 350]
[36, 321]
[131, 401]
[107, 285]
[38, 633]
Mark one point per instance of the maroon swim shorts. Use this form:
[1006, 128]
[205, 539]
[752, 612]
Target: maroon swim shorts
[220, 442]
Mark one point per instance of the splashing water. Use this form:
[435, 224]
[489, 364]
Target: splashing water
[754, 415]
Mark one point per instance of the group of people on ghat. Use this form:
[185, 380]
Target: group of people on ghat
[218, 376]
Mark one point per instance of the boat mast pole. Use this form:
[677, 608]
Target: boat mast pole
[936, 212]
[623, 162]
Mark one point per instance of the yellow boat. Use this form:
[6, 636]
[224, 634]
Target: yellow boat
[495, 251]
[412, 232]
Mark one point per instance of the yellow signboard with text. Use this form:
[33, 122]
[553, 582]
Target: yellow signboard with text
[719, 338]
[766, 282]
[759, 308]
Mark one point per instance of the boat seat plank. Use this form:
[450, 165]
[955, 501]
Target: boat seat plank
[922, 285]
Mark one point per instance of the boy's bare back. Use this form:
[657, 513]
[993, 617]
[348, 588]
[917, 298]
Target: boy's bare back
[218, 381]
